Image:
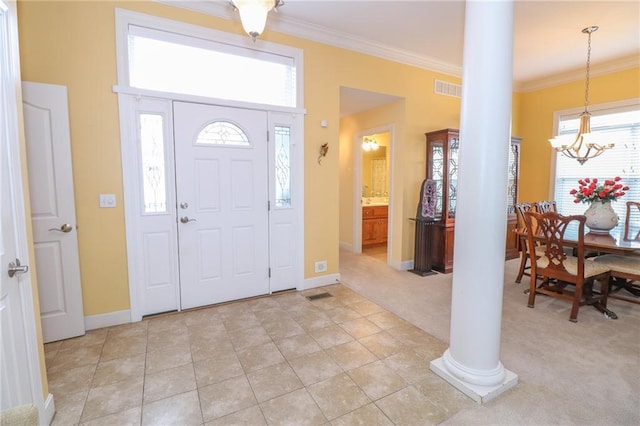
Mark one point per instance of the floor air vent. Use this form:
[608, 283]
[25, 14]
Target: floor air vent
[319, 296]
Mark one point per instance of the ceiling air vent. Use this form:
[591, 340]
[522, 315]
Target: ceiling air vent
[448, 89]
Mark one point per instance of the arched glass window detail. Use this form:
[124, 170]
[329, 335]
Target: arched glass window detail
[222, 133]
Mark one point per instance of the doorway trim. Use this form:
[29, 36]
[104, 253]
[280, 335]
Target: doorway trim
[129, 96]
[357, 185]
[130, 106]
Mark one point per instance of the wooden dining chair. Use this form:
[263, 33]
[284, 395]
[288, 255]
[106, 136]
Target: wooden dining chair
[545, 206]
[521, 229]
[565, 277]
[633, 215]
[624, 281]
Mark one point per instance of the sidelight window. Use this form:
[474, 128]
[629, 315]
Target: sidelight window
[283, 166]
[153, 169]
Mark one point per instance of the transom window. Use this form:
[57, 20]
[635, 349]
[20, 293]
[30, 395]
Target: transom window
[176, 63]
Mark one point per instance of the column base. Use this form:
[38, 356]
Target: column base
[478, 393]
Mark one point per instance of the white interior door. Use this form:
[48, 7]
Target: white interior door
[222, 197]
[20, 380]
[46, 119]
[14, 386]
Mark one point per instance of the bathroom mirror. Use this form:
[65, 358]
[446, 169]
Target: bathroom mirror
[374, 173]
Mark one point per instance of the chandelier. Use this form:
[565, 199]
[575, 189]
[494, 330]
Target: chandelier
[369, 144]
[253, 14]
[585, 144]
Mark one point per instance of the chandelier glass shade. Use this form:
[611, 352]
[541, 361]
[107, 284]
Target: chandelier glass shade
[584, 145]
[369, 144]
[253, 14]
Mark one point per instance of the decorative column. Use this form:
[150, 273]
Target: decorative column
[472, 361]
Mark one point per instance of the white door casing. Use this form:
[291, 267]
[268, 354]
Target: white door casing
[152, 235]
[53, 218]
[20, 373]
[222, 197]
[152, 240]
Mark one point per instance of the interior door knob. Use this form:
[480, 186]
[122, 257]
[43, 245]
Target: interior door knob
[185, 219]
[64, 228]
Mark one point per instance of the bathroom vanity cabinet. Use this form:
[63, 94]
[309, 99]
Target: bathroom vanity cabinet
[442, 166]
[374, 225]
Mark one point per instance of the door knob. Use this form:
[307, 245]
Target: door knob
[184, 205]
[185, 219]
[64, 228]
[15, 267]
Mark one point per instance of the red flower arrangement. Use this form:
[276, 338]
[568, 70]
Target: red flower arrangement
[591, 190]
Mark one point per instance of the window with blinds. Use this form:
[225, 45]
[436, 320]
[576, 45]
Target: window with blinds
[620, 125]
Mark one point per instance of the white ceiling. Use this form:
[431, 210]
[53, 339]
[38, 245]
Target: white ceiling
[549, 46]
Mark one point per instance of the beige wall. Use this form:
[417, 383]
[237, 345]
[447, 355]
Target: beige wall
[72, 43]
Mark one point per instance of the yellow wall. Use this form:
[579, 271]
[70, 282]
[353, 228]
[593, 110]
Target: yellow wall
[536, 123]
[73, 44]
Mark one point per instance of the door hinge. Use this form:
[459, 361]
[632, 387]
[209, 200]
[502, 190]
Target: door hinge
[269, 205]
[268, 136]
[269, 272]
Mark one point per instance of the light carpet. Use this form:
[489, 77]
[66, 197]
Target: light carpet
[584, 373]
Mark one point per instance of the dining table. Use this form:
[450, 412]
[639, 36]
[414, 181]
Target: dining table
[616, 241]
[619, 241]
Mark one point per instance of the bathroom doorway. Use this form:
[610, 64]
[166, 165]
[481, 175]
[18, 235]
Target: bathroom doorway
[375, 149]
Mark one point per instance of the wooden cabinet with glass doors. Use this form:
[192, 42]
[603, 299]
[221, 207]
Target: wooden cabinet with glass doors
[442, 166]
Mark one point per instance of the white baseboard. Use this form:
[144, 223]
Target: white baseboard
[346, 246]
[49, 409]
[109, 319]
[404, 266]
[320, 281]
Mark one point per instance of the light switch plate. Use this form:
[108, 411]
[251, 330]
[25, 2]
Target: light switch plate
[107, 200]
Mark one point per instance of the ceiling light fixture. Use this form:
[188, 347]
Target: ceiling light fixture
[584, 145]
[253, 14]
[369, 144]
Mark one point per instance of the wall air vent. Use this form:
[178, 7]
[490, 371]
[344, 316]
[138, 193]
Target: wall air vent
[448, 89]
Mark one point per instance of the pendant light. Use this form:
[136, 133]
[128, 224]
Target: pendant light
[584, 145]
[253, 14]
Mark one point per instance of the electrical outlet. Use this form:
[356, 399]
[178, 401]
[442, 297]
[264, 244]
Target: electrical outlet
[321, 266]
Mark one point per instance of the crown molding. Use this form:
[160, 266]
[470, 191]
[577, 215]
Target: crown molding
[223, 9]
[615, 65]
[324, 35]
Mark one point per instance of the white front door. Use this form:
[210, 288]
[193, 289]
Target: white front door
[222, 200]
[46, 119]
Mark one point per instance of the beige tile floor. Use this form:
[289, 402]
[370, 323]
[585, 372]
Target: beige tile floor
[278, 360]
